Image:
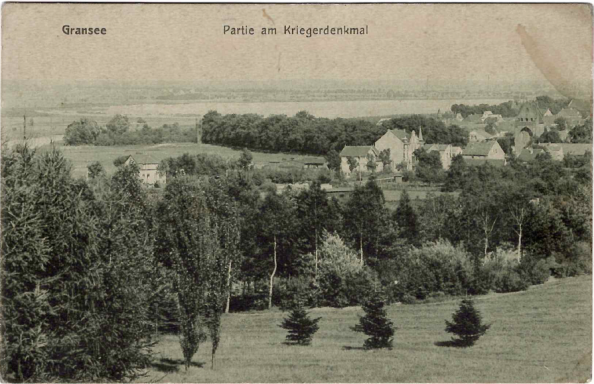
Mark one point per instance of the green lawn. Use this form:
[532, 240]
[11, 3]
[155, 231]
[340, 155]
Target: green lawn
[81, 156]
[543, 334]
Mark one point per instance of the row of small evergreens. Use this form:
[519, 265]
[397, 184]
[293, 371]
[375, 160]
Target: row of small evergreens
[466, 324]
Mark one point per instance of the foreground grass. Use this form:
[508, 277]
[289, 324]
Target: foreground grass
[543, 335]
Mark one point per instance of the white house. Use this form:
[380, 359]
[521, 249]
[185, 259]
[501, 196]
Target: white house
[362, 154]
[149, 173]
[401, 145]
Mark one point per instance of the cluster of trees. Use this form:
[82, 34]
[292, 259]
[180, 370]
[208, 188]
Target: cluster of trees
[507, 109]
[582, 133]
[117, 132]
[305, 133]
[75, 261]
[213, 165]
[510, 108]
[555, 105]
[578, 134]
[91, 270]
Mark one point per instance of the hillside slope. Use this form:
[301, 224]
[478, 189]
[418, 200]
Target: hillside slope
[541, 335]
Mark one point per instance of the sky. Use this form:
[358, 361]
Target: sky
[185, 42]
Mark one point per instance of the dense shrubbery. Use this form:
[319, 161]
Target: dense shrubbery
[117, 132]
[305, 133]
[434, 267]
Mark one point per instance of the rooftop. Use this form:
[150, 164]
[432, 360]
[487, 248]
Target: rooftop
[358, 151]
[478, 149]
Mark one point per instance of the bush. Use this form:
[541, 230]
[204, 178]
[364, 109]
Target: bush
[342, 280]
[435, 267]
[510, 281]
[467, 324]
[502, 272]
[536, 271]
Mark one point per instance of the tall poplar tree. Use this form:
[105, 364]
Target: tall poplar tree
[186, 243]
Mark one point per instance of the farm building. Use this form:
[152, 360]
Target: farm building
[313, 162]
[486, 150]
[149, 173]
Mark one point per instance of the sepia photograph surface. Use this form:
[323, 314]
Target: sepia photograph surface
[296, 193]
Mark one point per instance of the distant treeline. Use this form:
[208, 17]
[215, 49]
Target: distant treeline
[117, 132]
[304, 133]
[510, 108]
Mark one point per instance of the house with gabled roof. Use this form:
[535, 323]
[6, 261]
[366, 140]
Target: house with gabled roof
[445, 153]
[572, 116]
[149, 173]
[576, 149]
[362, 154]
[583, 106]
[402, 145]
[480, 135]
[488, 150]
[456, 151]
[529, 154]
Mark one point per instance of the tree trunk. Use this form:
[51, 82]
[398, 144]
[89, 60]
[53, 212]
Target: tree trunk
[486, 244]
[361, 245]
[316, 245]
[272, 277]
[228, 287]
[520, 243]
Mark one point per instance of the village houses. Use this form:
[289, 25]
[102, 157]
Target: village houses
[402, 145]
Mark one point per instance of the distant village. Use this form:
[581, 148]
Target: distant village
[393, 154]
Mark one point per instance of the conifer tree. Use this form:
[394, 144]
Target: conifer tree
[375, 324]
[467, 324]
[300, 326]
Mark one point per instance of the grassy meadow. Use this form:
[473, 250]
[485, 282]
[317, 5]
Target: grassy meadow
[540, 335]
[82, 156]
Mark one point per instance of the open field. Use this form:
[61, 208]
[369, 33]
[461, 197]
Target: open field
[81, 156]
[541, 335]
